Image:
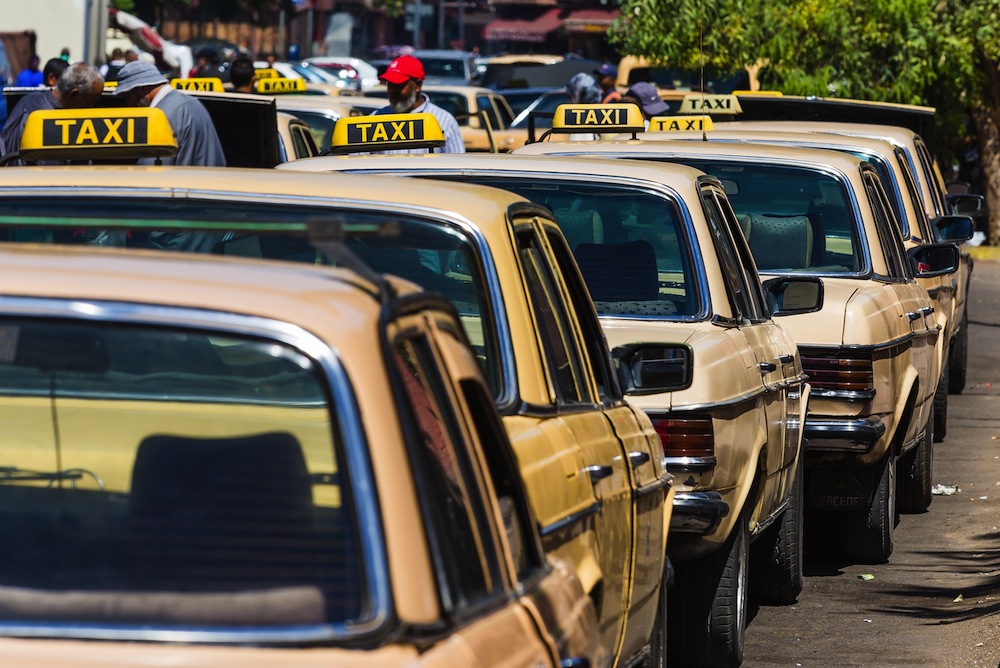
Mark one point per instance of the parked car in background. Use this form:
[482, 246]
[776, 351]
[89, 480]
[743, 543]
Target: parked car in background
[447, 67]
[348, 68]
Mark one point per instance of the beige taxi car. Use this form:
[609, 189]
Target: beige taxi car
[230, 463]
[909, 128]
[870, 351]
[915, 226]
[665, 261]
[591, 463]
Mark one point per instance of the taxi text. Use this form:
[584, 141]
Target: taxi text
[595, 116]
[677, 124]
[280, 85]
[711, 104]
[93, 131]
[385, 131]
[196, 84]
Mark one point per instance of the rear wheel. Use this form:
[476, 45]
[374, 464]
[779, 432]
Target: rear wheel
[868, 532]
[915, 472]
[958, 357]
[776, 555]
[708, 606]
[941, 406]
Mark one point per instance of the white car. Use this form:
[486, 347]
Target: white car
[367, 73]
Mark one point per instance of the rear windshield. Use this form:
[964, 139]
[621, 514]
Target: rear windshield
[795, 220]
[429, 253]
[631, 245]
[170, 478]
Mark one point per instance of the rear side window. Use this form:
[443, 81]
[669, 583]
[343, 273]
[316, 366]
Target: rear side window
[170, 478]
[630, 244]
[794, 219]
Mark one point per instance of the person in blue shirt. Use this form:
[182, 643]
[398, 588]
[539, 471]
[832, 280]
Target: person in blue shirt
[31, 76]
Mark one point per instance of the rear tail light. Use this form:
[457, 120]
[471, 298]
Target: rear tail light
[840, 374]
[686, 436]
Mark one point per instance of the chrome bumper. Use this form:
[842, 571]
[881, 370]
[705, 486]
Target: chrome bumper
[697, 512]
[846, 435]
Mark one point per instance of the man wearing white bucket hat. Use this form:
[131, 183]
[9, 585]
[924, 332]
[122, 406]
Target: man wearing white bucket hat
[142, 85]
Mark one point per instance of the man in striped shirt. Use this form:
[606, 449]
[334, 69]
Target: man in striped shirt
[404, 79]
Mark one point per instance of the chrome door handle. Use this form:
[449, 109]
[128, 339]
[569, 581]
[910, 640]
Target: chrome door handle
[767, 367]
[927, 310]
[913, 315]
[786, 359]
[638, 458]
[598, 473]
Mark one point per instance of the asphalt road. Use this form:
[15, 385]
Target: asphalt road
[937, 601]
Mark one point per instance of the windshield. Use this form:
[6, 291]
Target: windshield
[427, 252]
[631, 246]
[154, 476]
[795, 219]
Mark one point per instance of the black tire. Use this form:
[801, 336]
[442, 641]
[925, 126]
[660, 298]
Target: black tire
[776, 555]
[658, 641]
[915, 470]
[941, 406]
[708, 605]
[958, 358]
[868, 532]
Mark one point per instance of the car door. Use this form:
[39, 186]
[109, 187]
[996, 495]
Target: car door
[917, 307]
[759, 343]
[578, 410]
[644, 452]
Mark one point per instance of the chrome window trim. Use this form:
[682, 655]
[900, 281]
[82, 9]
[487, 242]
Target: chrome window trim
[355, 451]
[570, 520]
[508, 368]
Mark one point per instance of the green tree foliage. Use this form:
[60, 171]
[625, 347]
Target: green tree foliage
[941, 53]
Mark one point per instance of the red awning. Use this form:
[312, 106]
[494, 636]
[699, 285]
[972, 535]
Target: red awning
[590, 20]
[516, 30]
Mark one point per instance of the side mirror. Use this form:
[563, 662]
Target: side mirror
[652, 368]
[954, 228]
[966, 204]
[934, 259]
[793, 295]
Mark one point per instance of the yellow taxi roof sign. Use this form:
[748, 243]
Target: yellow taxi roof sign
[680, 123]
[267, 73]
[380, 132]
[279, 86]
[213, 84]
[598, 118]
[701, 103]
[110, 85]
[71, 134]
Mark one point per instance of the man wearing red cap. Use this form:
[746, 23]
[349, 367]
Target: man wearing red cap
[404, 79]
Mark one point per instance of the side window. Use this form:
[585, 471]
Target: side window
[452, 508]
[755, 293]
[885, 224]
[562, 359]
[914, 194]
[485, 105]
[503, 109]
[593, 335]
[732, 272]
[302, 146]
[927, 167]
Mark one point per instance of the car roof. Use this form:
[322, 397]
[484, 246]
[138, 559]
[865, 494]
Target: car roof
[473, 203]
[814, 156]
[678, 177]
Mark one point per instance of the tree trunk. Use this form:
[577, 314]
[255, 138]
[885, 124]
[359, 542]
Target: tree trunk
[988, 141]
